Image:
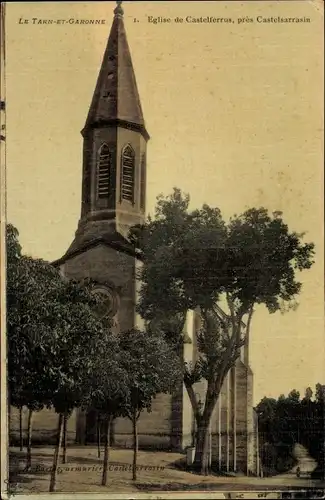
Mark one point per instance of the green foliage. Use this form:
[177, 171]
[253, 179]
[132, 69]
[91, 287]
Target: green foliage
[52, 332]
[73, 345]
[320, 393]
[276, 458]
[193, 259]
[263, 256]
[308, 394]
[291, 420]
[294, 396]
[198, 260]
[29, 286]
[107, 387]
[152, 368]
[12, 244]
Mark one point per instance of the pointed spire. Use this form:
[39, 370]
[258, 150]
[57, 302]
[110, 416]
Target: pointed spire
[118, 11]
[116, 96]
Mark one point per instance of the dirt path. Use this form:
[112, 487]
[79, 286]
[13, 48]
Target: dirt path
[305, 462]
[156, 473]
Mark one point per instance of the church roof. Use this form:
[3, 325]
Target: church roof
[116, 96]
[111, 239]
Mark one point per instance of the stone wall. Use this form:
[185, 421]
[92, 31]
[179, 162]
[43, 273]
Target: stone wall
[252, 427]
[241, 417]
[154, 428]
[44, 426]
[107, 266]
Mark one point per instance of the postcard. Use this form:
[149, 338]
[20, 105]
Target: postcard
[162, 249]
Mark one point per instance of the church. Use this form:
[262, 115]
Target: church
[113, 199]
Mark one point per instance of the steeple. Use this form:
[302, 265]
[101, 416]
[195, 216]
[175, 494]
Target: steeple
[116, 97]
[114, 151]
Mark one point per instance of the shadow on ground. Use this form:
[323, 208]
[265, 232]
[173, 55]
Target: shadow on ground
[226, 486]
[181, 464]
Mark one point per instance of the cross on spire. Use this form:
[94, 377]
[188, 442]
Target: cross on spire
[118, 9]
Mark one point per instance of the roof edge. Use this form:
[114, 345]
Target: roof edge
[116, 122]
[94, 243]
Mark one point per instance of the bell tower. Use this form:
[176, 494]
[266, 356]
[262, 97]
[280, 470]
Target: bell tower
[113, 184]
[113, 194]
[114, 148]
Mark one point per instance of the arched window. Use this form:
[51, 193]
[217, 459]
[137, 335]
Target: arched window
[127, 177]
[108, 301]
[103, 171]
[143, 183]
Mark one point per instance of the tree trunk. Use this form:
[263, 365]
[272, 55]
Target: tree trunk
[201, 459]
[29, 440]
[56, 453]
[98, 435]
[108, 420]
[202, 451]
[21, 428]
[64, 447]
[135, 445]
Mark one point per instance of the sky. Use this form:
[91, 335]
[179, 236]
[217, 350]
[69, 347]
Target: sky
[235, 115]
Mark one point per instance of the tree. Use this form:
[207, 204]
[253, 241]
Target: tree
[153, 368]
[13, 256]
[200, 261]
[32, 285]
[290, 420]
[308, 394]
[76, 337]
[266, 412]
[107, 388]
[294, 396]
[53, 336]
[317, 433]
[320, 393]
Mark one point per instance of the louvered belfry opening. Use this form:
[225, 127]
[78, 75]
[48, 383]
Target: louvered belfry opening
[143, 183]
[103, 181]
[128, 164]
